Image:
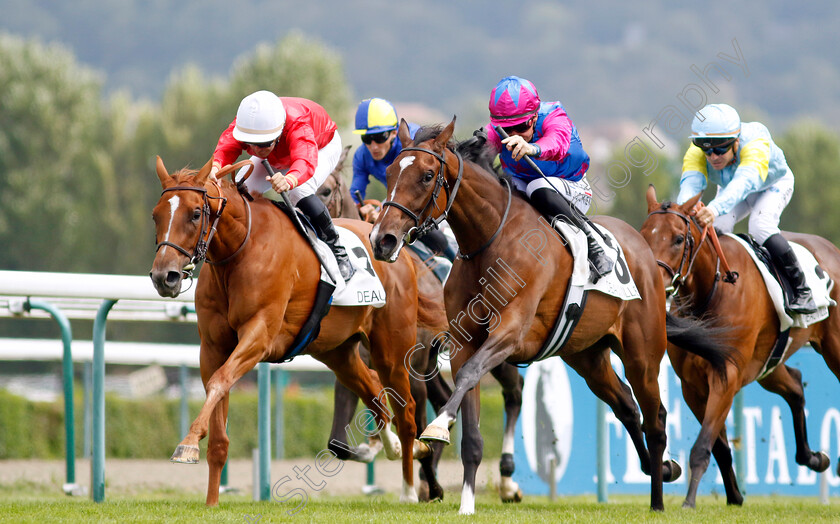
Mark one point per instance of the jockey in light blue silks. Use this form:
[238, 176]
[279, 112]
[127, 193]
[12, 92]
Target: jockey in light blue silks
[753, 178]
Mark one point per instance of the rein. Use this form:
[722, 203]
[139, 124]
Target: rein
[440, 183]
[690, 252]
[208, 230]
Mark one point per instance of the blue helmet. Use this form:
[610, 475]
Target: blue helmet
[375, 115]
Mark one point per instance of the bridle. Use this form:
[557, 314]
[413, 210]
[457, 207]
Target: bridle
[208, 230]
[418, 230]
[689, 256]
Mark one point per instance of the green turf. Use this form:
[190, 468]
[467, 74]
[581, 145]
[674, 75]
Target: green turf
[22, 503]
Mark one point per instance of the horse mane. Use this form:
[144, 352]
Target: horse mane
[473, 149]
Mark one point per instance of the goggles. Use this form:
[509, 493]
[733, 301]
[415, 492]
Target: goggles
[379, 138]
[519, 128]
[716, 145]
[262, 145]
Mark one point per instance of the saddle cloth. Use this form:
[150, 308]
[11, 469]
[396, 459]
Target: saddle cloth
[816, 279]
[364, 288]
[618, 283]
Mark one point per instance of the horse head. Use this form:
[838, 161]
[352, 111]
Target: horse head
[334, 192]
[182, 217]
[415, 200]
[672, 235]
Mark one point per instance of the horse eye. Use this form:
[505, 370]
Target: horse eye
[428, 176]
[679, 239]
[196, 214]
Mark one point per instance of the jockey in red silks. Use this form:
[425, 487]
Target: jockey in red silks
[544, 132]
[301, 142]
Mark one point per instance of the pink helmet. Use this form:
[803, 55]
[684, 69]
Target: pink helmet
[513, 101]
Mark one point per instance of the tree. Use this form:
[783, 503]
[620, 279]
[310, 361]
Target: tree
[813, 154]
[619, 187]
[52, 207]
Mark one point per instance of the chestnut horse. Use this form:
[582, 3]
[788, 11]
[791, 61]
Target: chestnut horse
[502, 301]
[335, 193]
[680, 247]
[254, 295]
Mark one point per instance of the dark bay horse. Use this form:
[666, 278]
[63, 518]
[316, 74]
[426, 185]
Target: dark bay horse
[681, 248]
[255, 293]
[335, 193]
[502, 301]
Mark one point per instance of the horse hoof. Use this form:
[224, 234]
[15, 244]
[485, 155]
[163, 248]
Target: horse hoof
[185, 455]
[688, 505]
[673, 470]
[822, 462]
[421, 450]
[516, 497]
[435, 434]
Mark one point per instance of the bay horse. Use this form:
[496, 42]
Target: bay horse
[502, 301]
[335, 193]
[255, 293]
[682, 249]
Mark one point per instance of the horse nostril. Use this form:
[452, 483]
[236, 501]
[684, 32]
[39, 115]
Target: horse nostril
[173, 278]
[387, 243]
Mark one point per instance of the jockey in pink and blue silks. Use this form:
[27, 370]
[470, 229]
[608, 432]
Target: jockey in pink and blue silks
[544, 131]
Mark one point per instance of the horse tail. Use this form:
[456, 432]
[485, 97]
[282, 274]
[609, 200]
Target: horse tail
[703, 338]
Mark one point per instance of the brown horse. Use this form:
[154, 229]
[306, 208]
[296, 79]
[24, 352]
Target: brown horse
[680, 247]
[255, 294]
[502, 301]
[335, 193]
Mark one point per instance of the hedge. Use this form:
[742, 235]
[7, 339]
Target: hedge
[150, 428]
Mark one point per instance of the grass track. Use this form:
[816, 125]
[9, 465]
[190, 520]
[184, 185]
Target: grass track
[22, 503]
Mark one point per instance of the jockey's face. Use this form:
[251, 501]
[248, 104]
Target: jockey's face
[525, 131]
[377, 150]
[261, 150]
[719, 162]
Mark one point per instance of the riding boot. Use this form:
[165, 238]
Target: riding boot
[802, 301]
[551, 203]
[314, 209]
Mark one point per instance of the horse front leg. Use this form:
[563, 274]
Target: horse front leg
[472, 448]
[714, 419]
[217, 449]
[723, 457]
[243, 359]
[512, 382]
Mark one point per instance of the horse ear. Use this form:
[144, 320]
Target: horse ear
[403, 134]
[166, 179]
[651, 198]
[203, 173]
[688, 206]
[446, 134]
[340, 165]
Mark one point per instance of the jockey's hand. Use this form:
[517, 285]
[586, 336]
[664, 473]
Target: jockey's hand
[519, 147]
[279, 182]
[705, 216]
[367, 211]
[212, 177]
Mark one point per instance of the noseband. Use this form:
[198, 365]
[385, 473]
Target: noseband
[689, 255]
[208, 230]
[440, 183]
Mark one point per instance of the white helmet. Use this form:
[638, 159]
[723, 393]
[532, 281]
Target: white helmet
[260, 118]
[716, 121]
